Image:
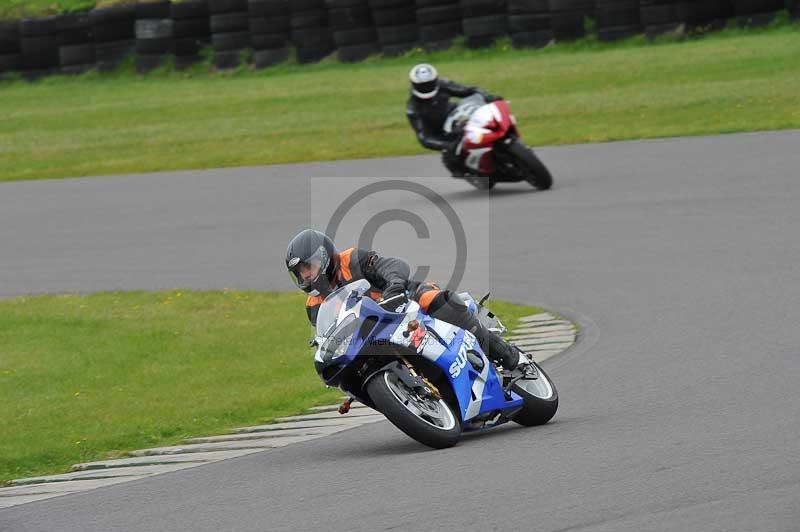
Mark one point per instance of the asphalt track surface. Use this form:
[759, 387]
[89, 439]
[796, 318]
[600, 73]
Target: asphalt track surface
[679, 406]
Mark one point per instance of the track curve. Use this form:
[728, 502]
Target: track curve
[679, 410]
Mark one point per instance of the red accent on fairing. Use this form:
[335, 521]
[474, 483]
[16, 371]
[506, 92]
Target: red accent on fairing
[417, 336]
[497, 130]
[487, 163]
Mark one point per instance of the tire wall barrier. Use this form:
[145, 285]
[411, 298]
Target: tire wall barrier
[229, 22]
[270, 31]
[154, 37]
[191, 31]
[396, 25]
[264, 32]
[311, 33]
[113, 30]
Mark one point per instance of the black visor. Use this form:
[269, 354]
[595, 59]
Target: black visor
[427, 89]
[315, 265]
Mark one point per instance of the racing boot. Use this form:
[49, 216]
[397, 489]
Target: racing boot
[509, 356]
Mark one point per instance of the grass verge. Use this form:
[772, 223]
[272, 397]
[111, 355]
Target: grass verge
[86, 377]
[730, 81]
[18, 9]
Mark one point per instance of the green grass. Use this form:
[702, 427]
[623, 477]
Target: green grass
[16, 9]
[87, 377]
[730, 81]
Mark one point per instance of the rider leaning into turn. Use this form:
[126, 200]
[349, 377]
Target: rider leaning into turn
[427, 110]
[317, 268]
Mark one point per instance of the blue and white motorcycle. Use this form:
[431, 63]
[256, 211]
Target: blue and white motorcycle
[429, 378]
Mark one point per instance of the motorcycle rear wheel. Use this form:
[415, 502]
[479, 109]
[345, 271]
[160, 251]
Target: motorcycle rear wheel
[429, 421]
[540, 399]
[536, 173]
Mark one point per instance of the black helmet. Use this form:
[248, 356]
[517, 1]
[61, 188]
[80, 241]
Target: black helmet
[424, 81]
[312, 261]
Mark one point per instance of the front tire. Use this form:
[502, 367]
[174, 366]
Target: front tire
[536, 173]
[540, 399]
[429, 421]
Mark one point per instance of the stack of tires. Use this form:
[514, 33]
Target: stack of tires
[711, 13]
[10, 56]
[483, 21]
[438, 22]
[311, 32]
[270, 31]
[230, 32]
[756, 12]
[75, 43]
[529, 23]
[396, 24]
[38, 42]
[659, 17]
[567, 17]
[353, 29]
[154, 38]
[191, 31]
[617, 19]
[113, 32]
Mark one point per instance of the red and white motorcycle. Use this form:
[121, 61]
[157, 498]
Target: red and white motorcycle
[490, 148]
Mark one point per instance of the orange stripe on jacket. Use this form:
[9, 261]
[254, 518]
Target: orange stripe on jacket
[313, 301]
[344, 264]
[427, 298]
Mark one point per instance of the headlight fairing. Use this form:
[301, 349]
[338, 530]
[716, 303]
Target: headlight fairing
[338, 343]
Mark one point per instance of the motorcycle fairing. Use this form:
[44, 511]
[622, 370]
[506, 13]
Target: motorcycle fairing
[477, 389]
[488, 124]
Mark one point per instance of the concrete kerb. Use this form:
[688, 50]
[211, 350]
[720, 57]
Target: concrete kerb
[288, 425]
[169, 459]
[542, 335]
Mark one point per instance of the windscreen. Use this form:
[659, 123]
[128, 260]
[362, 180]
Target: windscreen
[463, 111]
[329, 310]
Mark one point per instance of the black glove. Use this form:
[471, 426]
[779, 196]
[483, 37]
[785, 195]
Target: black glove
[394, 300]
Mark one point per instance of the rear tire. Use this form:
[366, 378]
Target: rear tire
[540, 399]
[396, 401]
[536, 173]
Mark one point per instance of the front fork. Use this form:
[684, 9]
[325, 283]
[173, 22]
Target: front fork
[433, 390]
[406, 373]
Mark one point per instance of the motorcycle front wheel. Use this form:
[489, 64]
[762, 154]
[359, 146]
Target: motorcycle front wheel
[540, 399]
[430, 421]
[536, 173]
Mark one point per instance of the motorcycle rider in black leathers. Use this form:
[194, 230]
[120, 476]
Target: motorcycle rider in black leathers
[427, 110]
[318, 268]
